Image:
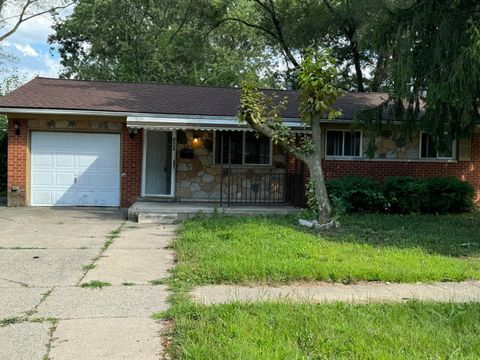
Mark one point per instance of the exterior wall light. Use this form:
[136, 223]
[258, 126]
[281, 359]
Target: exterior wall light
[196, 141]
[16, 126]
[132, 132]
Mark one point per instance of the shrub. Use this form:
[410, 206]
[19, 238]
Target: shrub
[446, 195]
[403, 193]
[355, 193]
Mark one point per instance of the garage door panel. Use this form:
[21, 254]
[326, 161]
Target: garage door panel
[101, 180]
[65, 179]
[42, 159]
[42, 178]
[42, 197]
[63, 141]
[65, 160]
[75, 169]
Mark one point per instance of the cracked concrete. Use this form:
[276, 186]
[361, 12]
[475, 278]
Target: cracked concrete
[42, 258]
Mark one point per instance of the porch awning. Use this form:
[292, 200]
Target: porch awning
[166, 122]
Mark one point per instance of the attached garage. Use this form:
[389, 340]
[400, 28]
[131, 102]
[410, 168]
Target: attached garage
[74, 169]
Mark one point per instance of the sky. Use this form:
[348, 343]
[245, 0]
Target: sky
[29, 46]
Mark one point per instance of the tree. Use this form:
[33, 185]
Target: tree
[435, 46]
[317, 74]
[14, 13]
[345, 26]
[168, 41]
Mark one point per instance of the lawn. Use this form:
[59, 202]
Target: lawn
[337, 331]
[367, 247]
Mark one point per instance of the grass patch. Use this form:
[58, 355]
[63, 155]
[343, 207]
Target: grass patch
[158, 282]
[89, 267]
[95, 284]
[112, 236]
[128, 284]
[337, 331]
[367, 247]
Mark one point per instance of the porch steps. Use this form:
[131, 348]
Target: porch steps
[171, 212]
[155, 218]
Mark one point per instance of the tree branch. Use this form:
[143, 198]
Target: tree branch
[270, 133]
[22, 18]
[255, 26]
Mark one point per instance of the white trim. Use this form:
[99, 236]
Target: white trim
[243, 164]
[442, 158]
[196, 122]
[343, 157]
[173, 175]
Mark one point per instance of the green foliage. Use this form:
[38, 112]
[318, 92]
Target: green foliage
[398, 195]
[317, 80]
[170, 41]
[436, 62]
[446, 195]
[356, 194]
[366, 247]
[404, 194]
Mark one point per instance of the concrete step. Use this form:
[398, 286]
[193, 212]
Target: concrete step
[155, 218]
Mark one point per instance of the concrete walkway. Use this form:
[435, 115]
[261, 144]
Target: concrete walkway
[45, 257]
[327, 292]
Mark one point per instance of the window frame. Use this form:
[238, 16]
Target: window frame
[420, 143]
[215, 163]
[343, 156]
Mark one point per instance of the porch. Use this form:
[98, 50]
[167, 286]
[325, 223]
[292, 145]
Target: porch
[164, 212]
[216, 167]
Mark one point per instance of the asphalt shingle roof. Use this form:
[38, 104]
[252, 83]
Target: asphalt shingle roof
[151, 98]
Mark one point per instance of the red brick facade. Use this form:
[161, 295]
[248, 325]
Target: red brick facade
[17, 164]
[378, 169]
[132, 158]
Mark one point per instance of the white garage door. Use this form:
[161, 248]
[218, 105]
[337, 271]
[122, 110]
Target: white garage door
[75, 169]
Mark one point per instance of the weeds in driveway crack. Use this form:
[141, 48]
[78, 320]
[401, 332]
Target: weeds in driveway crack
[50, 339]
[110, 238]
[11, 320]
[95, 284]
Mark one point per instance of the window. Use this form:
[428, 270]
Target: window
[242, 148]
[343, 143]
[428, 148]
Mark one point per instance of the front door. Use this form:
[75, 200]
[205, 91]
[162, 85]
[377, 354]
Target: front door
[159, 163]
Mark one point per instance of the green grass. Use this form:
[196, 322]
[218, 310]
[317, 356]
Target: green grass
[336, 331]
[95, 284]
[367, 247]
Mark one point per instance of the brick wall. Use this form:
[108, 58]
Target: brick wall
[132, 154]
[17, 163]
[378, 170]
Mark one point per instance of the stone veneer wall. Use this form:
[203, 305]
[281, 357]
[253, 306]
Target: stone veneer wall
[75, 125]
[386, 148]
[199, 178]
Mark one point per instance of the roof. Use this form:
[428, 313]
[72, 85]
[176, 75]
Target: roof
[150, 98]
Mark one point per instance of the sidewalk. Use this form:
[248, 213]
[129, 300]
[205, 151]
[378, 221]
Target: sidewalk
[468, 291]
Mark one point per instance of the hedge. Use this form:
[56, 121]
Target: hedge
[400, 195]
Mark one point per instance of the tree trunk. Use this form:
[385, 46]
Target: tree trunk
[358, 67]
[314, 163]
[350, 32]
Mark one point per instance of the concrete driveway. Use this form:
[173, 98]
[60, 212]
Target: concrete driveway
[45, 257]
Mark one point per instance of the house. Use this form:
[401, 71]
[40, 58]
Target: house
[96, 143]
